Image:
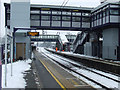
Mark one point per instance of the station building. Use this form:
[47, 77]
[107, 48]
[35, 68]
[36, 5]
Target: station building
[105, 20]
[103, 40]
[100, 26]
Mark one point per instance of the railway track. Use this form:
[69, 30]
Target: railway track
[110, 67]
[71, 65]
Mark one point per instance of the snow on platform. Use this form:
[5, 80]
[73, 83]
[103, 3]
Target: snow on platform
[17, 80]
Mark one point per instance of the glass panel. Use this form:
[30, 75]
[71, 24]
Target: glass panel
[107, 12]
[35, 23]
[85, 19]
[66, 13]
[104, 14]
[94, 17]
[56, 12]
[36, 12]
[97, 16]
[101, 15]
[55, 18]
[85, 14]
[76, 13]
[66, 18]
[35, 17]
[45, 12]
[116, 12]
[76, 19]
[46, 18]
[114, 6]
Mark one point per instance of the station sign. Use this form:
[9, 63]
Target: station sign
[32, 33]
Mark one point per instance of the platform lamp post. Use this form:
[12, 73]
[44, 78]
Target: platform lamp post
[7, 34]
[6, 56]
[119, 40]
[0, 65]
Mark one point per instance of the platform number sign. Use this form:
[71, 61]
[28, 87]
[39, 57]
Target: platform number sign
[32, 33]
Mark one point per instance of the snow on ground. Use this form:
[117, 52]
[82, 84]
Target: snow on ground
[107, 82]
[71, 53]
[17, 80]
[76, 75]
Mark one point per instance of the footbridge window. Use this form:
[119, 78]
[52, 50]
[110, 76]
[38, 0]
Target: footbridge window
[66, 18]
[66, 13]
[46, 12]
[56, 12]
[114, 12]
[85, 22]
[45, 18]
[56, 18]
[76, 13]
[76, 19]
[35, 17]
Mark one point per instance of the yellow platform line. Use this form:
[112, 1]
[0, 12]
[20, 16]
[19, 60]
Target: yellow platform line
[53, 76]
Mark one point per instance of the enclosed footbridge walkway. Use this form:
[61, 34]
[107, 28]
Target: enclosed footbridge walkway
[52, 17]
[47, 38]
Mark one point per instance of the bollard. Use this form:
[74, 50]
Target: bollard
[0, 75]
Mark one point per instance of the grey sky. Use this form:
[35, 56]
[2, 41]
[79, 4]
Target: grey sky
[83, 3]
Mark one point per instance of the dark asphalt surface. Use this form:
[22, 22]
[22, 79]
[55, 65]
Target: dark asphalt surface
[46, 80]
[30, 79]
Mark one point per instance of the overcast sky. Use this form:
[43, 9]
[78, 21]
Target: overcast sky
[83, 3]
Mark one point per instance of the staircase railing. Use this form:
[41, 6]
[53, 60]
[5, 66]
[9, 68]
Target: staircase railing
[79, 40]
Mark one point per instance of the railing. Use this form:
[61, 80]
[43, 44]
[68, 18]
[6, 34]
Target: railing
[79, 40]
[60, 42]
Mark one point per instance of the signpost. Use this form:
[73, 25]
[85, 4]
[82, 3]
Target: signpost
[6, 56]
[0, 64]
[0, 75]
[8, 34]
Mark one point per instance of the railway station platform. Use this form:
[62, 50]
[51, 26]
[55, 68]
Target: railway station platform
[52, 76]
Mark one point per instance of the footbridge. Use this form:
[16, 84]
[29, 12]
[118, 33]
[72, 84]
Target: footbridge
[51, 38]
[47, 38]
[51, 17]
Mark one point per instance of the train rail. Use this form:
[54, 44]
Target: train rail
[92, 62]
[72, 65]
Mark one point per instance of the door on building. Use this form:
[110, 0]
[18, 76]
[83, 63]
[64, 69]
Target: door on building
[20, 51]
